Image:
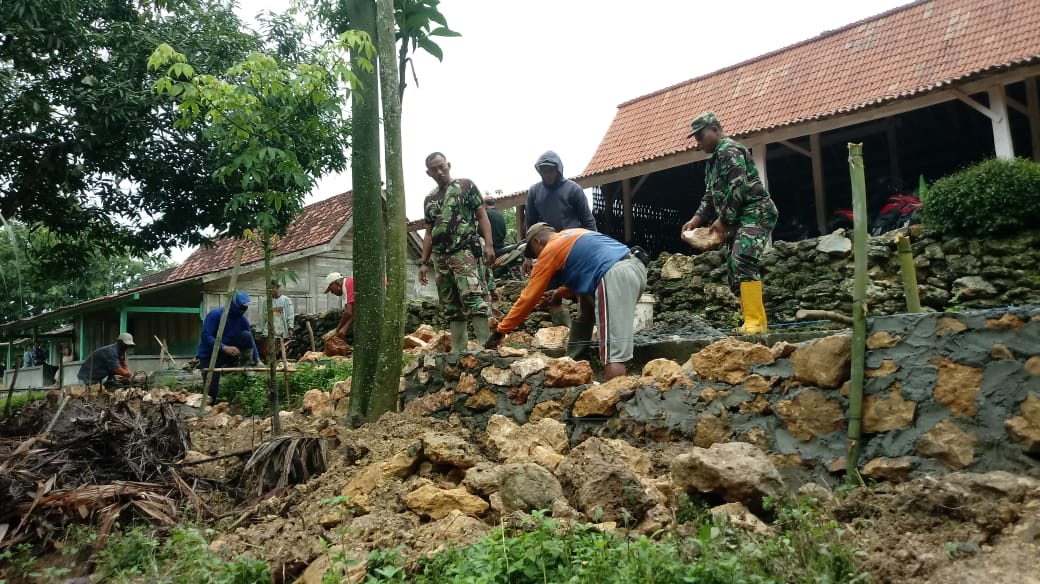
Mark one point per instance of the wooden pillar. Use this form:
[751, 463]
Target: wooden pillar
[609, 196]
[819, 196]
[626, 201]
[1033, 107]
[758, 153]
[1001, 125]
[82, 337]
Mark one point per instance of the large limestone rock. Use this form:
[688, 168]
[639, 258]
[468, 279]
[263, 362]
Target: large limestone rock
[603, 480]
[524, 368]
[527, 486]
[482, 478]
[544, 442]
[973, 287]
[398, 466]
[455, 529]
[436, 503]
[485, 399]
[810, 415]
[341, 389]
[736, 471]
[661, 367]
[677, 267]
[566, 372]
[895, 470]
[600, 400]
[957, 386]
[448, 449]
[949, 444]
[729, 360]
[712, 430]
[1026, 427]
[737, 515]
[551, 338]
[430, 403]
[1033, 365]
[891, 413]
[835, 244]
[318, 403]
[497, 375]
[826, 362]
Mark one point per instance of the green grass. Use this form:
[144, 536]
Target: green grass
[806, 548]
[20, 400]
[249, 390]
[183, 557]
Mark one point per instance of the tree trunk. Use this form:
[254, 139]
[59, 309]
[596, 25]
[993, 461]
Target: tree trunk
[384, 395]
[272, 379]
[369, 248]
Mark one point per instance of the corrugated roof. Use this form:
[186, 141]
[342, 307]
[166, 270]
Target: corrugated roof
[317, 225]
[904, 52]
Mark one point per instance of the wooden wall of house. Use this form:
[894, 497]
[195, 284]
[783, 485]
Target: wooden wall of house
[307, 292]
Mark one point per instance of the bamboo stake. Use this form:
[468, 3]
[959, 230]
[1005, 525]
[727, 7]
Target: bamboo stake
[285, 366]
[14, 382]
[223, 320]
[859, 320]
[310, 332]
[242, 369]
[906, 266]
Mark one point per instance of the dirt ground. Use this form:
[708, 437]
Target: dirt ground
[952, 529]
[957, 528]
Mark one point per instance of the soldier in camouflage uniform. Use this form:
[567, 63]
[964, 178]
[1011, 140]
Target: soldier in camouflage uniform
[455, 222]
[738, 209]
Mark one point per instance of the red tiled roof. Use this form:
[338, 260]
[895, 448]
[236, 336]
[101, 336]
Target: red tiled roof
[907, 51]
[316, 225]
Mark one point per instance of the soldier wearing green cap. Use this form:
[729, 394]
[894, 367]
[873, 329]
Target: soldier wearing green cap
[737, 207]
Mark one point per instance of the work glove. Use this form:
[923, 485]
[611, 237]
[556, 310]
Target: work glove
[494, 340]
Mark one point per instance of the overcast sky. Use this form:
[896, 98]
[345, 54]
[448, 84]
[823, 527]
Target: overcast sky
[531, 76]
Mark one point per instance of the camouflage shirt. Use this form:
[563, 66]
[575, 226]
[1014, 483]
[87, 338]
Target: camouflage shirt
[451, 216]
[732, 187]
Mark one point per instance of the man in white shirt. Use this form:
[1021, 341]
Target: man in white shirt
[282, 308]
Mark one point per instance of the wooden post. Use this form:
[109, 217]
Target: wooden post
[1033, 107]
[1002, 144]
[893, 151]
[626, 201]
[819, 196]
[859, 319]
[285, 367]
[758, 153]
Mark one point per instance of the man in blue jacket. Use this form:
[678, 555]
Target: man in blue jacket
[236, 343]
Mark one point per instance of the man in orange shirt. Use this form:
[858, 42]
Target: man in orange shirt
[590, 263]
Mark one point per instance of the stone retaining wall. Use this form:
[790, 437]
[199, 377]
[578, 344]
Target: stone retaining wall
[952, 272]
[943, 391]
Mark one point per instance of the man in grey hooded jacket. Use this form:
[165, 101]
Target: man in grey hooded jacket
[562, 204]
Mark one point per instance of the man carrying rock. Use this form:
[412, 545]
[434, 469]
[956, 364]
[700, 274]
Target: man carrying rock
[336, 284]
[738, 209]
[579, 261]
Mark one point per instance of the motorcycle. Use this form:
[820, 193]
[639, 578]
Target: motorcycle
[509, 262]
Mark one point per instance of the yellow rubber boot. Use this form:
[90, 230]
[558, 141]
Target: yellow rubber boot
[753, 308]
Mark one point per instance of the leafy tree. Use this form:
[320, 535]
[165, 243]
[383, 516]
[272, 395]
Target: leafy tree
[31, 284]
[88, 148]
[275, 128]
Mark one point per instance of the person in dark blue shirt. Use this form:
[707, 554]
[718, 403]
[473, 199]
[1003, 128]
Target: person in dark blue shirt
[236, 343]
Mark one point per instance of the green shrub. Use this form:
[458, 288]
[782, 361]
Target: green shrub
[249, 390]
[183, 558]
[993, 196]
[805, 549]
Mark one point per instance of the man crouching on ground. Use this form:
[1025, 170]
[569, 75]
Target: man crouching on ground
[584, 262]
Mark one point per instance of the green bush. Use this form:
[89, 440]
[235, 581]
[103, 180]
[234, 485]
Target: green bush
[183, 558]
[993, 196]
[805, 549]
[249, 390]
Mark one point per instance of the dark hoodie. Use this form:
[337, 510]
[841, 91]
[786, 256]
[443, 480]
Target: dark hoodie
[562, 205]
[236, 324]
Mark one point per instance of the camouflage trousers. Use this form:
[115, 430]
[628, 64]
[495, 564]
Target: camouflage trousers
[461, 288]
[749, 243]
